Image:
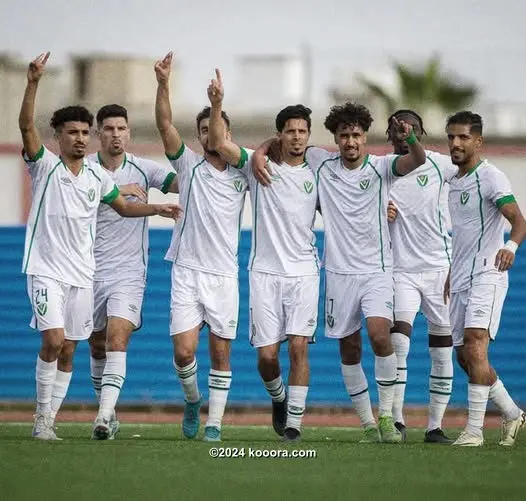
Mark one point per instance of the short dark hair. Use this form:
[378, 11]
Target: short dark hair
[399, 113]
[205, 113]
[70, 114]
[111, 111]
[474, 120]
[290, 112]
[348, 114]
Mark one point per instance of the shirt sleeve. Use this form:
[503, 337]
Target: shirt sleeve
[245, 161]
[184, 159]
[498, 188]
[108, 190]
[159, 176]
[315, 156]
[42, 163]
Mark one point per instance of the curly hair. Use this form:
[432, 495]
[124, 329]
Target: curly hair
[348, 114]
[70, 114]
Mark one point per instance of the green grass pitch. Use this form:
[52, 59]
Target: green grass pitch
[161, 465]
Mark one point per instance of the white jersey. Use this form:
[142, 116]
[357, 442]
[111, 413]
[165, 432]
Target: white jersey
[206, 238]
[419, 234]
[354, 210]
[121, 245]
[478, 225]
[283, 239]
[61, 227]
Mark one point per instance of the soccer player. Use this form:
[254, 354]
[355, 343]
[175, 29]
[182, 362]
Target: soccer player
[58, 257]
[121, 259]
[283, 263]
[204, 250]
[480, 202]
[353, 188]
[421, 260]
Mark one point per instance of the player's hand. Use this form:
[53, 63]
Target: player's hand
[401, 129]
[447, 288]
[504, 260]
[163, 68]
[172, 211]
[261, 169]
[134, 190]
[216, 92]
[36, 67]
[392, 211]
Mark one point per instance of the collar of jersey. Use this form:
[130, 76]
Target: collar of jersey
[364, 164]
[69, 170]
[473, 169]
[99, 159]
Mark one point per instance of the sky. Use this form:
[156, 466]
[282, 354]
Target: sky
[482, 40]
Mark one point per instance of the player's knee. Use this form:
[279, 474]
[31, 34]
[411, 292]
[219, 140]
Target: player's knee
[184, 356]
[97, 346]
[402, 326]
[52, 342]
[350, 353]
[381, 343]
[298, 349]
[440, 336]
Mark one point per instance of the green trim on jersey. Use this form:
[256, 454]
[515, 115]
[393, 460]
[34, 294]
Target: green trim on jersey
[365, 161]
[186, 207]
[255, 225]
[143, 175]
[393, 167]
[38, 214]
[439, 211]
[99, 160]
[38, 156]
[473, 169]
[93, 172]
[380, 217]
[481, 225]
[243, 158]
[111, 196]
[168, 181]
[508, 199]
[177, 155]
[322, 164]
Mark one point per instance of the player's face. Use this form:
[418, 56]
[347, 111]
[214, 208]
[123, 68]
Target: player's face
[114, 135]
[202, 135]
[463, 144]
[400, 147]
[294, 137]
[351, 140]
[73, 139]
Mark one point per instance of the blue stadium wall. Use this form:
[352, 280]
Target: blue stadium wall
[150, 376]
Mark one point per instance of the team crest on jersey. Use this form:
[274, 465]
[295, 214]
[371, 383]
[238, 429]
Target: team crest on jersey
[308, 186]
[464, 197]
[42, 309]
[91, 194]
[238, 185]
[422, 180]
[364, 184]
[330, 321]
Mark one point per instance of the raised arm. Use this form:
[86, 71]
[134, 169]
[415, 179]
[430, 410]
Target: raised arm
[26, 120]
[416, 156]
[218, 139]
[163, 112]
[506, 256]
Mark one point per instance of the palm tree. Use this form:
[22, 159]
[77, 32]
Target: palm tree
[421, 89]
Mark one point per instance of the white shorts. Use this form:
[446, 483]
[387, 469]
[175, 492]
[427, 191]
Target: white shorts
[117, 298]
[348, 296]
[424, 290]
[282, 306]
[479, 307]
[198, 297]
[57, 305]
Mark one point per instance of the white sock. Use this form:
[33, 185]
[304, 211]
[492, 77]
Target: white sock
[477, 401]
[357, 388]
[276, 389]
[500, 397]
[385, 374]
[188, 379]
[97, 370]
[440, 385]
[112, 381]
[45, 378]
[401, 347]
[60, 390]
[296, 406]
[218, 387]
